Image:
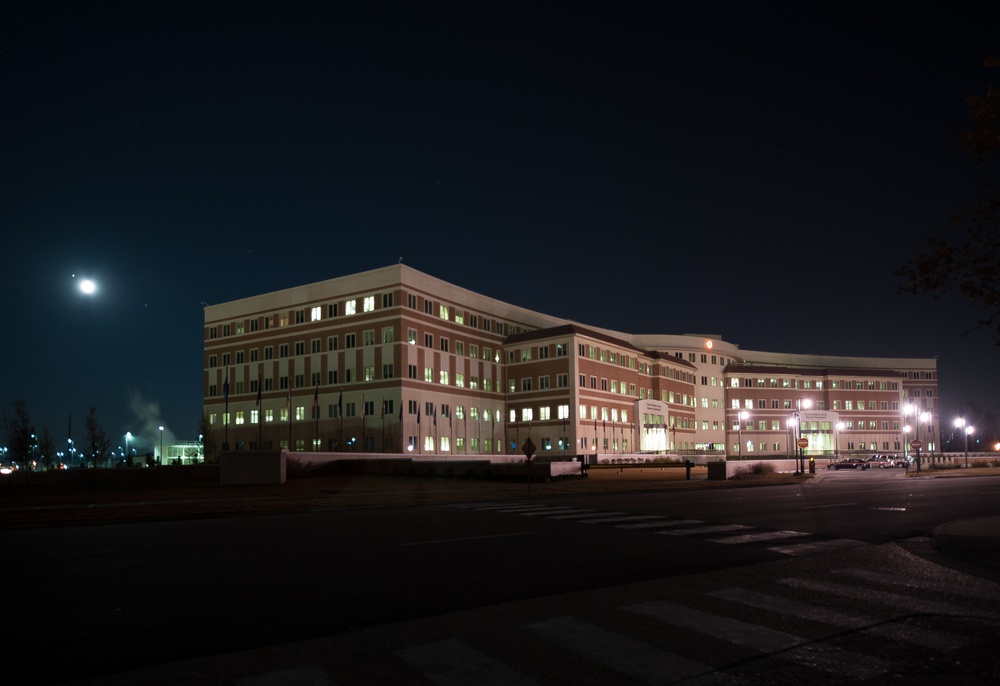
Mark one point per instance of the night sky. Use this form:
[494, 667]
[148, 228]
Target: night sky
[753, 170]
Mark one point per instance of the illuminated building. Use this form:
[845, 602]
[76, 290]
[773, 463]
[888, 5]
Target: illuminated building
[396, 361]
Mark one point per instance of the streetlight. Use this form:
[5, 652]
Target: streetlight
[966, 430]
[741, 416]
[836, 441]
[161, 444]
[128, 435]
[925, 418]
[803, 404]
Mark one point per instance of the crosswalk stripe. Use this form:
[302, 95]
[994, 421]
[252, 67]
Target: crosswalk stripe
[583, 513]
[451, 662]
[927, 638]
[552, 510]
[661, 524]
[800, 549]
[757, 537]
[308, 675]
[635, 659]
[938, 586]
[623, 518]
[519, 508]
[869, 595]
[710, 529]
[763, 639]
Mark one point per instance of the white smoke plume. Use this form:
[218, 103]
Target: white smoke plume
[147, 413]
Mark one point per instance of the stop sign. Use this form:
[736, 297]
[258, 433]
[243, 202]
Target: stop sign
[915, 444]
[803, 442]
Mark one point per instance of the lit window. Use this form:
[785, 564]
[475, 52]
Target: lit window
[351, 307]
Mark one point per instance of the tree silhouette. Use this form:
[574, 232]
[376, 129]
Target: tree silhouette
[21, 439]
[207, 439]
[969, 261]
[98, 444]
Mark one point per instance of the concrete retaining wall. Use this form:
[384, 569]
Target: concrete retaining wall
[252, 467]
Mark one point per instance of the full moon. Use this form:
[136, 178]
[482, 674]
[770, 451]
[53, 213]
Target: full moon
[87, 286]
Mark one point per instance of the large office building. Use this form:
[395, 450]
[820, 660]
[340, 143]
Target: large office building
[396, 361]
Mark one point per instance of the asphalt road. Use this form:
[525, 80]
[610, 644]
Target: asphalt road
[95, 600]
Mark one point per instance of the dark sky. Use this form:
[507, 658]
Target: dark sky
[754, 170]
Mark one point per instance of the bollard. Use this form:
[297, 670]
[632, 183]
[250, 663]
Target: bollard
[812, 465]
[687, 466]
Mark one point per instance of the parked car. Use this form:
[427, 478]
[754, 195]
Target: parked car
[850, 463]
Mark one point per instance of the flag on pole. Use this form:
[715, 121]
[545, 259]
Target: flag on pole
[316, 402]
[418, 414]
[383, 409]
[340, 404]
[434, 414]
[364, 407]
[225, 387]
[258, 392]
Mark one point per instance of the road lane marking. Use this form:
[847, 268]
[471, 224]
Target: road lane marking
[640, 661]
[759, 536]
[937, 586]
[823, 507]
[713, 529]
[927, 638]
[661, 524]
[764, 640]
[895, 600]
[801, 549]
[464, 538]
[453, 663]
[622, 518]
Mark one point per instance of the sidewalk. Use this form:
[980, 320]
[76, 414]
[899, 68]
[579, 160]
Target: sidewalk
[976, 540]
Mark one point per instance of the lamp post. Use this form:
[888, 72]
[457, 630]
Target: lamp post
[740, 418]
[128, 435]
[966, 430]
[161, 444]
[908, 409]
[836, 441]
[923, 418]
[803, 404]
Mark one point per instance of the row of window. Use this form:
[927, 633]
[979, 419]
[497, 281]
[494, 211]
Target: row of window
[809, 384]
[784, 425]
[778, 447]
[788, 404]
[354, 306]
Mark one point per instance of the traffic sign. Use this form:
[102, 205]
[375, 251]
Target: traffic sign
[528, 448]
[915, 444]
[803, 442]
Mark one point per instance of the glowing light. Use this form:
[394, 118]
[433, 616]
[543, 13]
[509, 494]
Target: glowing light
[708, 344]
[87, 287]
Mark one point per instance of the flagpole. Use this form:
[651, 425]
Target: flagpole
[225, 392]
[260, 410]
[316, 412]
